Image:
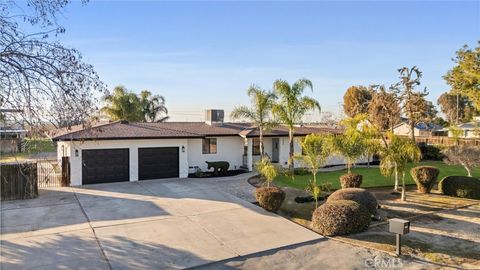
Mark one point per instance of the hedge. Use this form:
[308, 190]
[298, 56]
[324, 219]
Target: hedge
[460, 186]
[358, 195]
[270, 198]
[340, 217]
[425, 177]
[351, 180]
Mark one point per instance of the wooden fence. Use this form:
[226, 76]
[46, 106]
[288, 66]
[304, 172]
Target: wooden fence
[18, 181]
[22, 180]
[447, 141]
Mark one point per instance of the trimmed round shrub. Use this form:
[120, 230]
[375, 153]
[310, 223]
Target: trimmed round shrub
[270, 198]
[351, 180]
[358, 195]
[340, 217]
[425, 177]
[460, 186]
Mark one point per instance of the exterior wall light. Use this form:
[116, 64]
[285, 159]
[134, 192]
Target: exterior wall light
[183, 149]
[76, 152]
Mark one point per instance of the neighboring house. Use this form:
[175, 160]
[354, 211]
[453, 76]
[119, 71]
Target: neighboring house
[470, 129]
[11, 137]
[420, 130]
[127, 151]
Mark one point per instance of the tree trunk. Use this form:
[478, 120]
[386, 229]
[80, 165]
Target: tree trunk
[368, 161]
[396, 178]
[262, 153]
[404, 194]
[291, 165]
[412, 131]
[469, 172]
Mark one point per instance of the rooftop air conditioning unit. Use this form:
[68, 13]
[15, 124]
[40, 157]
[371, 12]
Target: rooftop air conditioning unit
[214, 117]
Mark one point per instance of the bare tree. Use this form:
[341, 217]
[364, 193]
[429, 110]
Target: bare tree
[467, 156]
[48, 81]
[413, 103]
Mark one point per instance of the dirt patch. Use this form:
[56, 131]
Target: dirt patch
[255, 181]
[300, 211]
[440, 232]
[432, 238]
[444, 230]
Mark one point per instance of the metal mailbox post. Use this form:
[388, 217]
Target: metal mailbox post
[399, 227]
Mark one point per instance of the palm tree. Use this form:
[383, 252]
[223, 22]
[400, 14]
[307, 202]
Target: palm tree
[259, 114]
[291, 107]
[152, 107]
[267, 170]
[395, 157]
[351, 144]
[371, 137]
[123, 105]
[316, 150]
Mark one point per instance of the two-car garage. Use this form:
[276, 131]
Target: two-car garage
[113, 165]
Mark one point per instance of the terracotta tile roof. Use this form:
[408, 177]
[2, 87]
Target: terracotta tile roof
[136, 130]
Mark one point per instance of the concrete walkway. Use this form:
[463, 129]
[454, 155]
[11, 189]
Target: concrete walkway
[158, 224]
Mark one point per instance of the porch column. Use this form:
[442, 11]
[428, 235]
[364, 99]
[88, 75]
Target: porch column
[249, 154]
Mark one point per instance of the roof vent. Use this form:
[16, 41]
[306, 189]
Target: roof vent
[214, 117]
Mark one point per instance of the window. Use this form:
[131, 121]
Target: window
[209, 146]
[256, 146]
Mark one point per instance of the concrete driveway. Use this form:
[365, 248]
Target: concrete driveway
[176, 223]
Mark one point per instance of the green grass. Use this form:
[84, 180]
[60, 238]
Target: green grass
[371, 176]
[31, 146]
[36, 145]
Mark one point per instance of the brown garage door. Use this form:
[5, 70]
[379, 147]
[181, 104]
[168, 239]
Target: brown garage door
[160, 162]
[105, 166]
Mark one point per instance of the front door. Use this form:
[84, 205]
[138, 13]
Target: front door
[275, 149]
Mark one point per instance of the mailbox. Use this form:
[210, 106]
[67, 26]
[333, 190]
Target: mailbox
[399, 226]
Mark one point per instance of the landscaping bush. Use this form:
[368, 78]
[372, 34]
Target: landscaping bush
[340, 217]
[431, 152]
[270, 198]
[460, 186]
[301, 171]
[425, 177]
[358, 195]
[351, 180]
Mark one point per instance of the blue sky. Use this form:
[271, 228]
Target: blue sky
[205, 54]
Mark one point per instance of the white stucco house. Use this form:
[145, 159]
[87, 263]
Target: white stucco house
[470, 130]
[127, 151]
[420, 130]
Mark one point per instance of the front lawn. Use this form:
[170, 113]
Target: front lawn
[371, 176]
